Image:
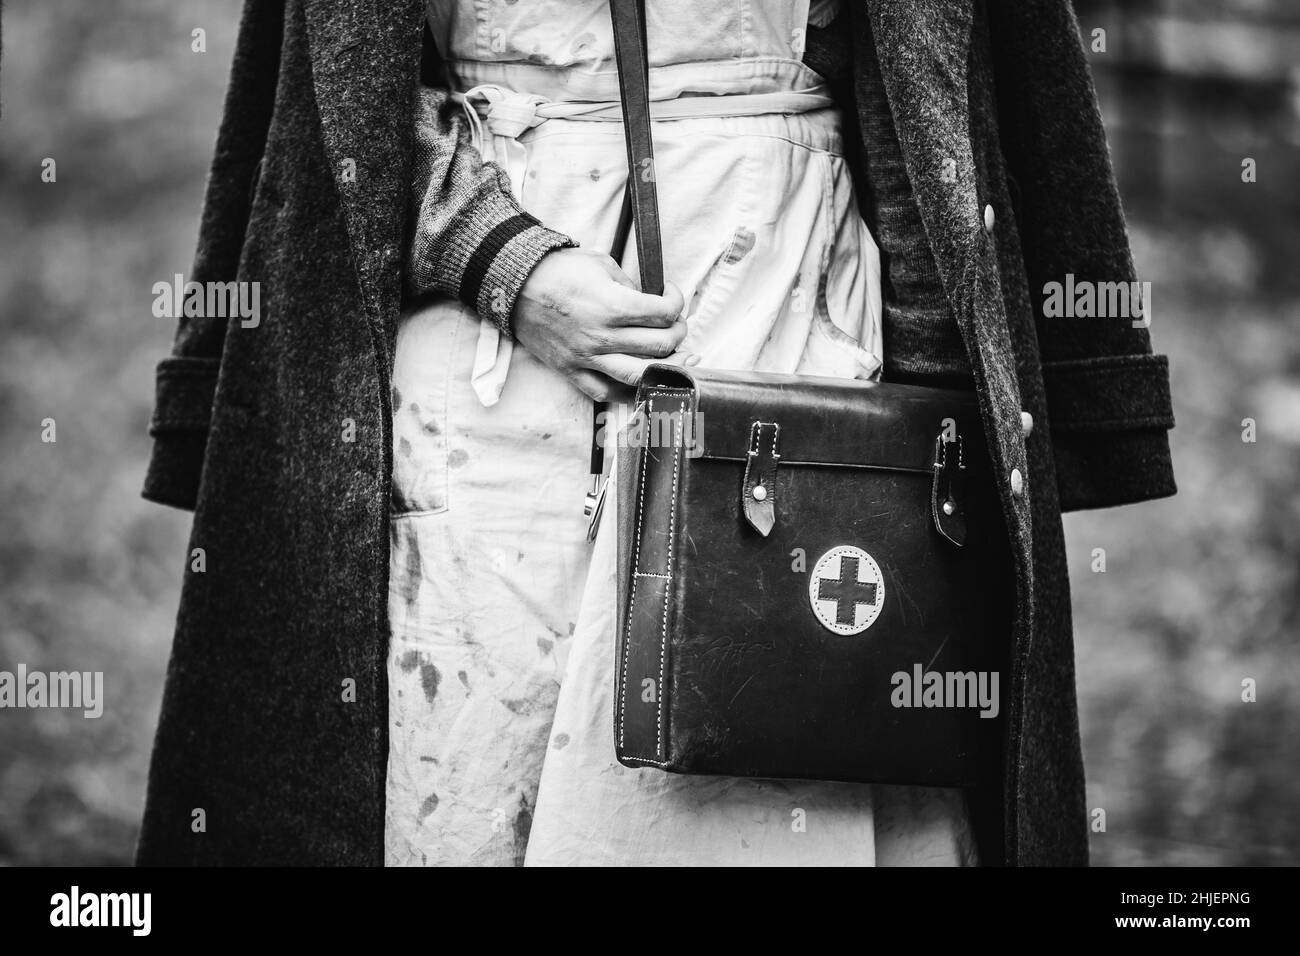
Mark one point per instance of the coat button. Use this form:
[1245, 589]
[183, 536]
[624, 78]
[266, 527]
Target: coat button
[1026, 424]
[1017, 482]
[989, 219]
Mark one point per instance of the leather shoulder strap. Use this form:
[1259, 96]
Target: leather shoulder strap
[634, 92]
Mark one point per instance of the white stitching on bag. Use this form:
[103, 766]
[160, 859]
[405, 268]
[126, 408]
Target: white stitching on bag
[672, 523]
[631, 603]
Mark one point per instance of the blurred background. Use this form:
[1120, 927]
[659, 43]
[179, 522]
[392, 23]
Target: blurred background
[1200, 591]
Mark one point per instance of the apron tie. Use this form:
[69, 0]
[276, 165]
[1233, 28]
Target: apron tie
[507, 115]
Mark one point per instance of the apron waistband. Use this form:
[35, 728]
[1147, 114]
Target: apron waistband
[510, 113]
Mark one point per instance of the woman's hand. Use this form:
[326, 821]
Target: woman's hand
[580, 314]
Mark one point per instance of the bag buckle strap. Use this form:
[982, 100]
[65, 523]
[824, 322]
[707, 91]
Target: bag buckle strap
[947, 492]
[758, 496]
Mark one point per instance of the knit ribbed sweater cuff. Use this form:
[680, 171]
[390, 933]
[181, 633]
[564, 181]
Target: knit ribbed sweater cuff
[497, 245]
[501, 263]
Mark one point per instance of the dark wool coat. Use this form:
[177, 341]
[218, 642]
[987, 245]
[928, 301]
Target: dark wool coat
[278, 436]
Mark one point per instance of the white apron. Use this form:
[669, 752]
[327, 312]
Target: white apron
[502, 655]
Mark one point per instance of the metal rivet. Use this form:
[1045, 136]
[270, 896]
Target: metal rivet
[760, 493]
[1017, 481]
[1026, 424]
[948, 507]
[989, 218]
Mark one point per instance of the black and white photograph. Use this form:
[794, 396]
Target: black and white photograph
[651, 433]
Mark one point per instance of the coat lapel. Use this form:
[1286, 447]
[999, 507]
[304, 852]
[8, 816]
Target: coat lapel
[924, 51]
[365, 67]
[923, 47]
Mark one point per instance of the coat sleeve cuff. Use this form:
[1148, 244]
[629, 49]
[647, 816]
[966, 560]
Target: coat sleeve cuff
[1110, 417]
[185, 387]
[1107, 469]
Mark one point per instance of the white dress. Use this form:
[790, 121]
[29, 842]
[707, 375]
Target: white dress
[502, 655]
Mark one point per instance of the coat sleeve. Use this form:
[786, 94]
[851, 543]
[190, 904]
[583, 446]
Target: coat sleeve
[186, 380]
[1108, 396]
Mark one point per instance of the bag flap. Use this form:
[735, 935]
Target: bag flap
[822, 421]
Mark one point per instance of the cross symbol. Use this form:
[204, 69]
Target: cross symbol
[847, 591]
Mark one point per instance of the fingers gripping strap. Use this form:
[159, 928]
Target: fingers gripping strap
[634, 92]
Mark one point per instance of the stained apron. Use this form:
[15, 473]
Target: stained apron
[501, 663]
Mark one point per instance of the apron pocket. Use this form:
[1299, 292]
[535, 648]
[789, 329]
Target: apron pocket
[426, 349]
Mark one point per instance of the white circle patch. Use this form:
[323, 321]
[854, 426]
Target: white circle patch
[846, 590]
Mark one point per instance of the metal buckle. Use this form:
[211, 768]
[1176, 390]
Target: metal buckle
[594, 505]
